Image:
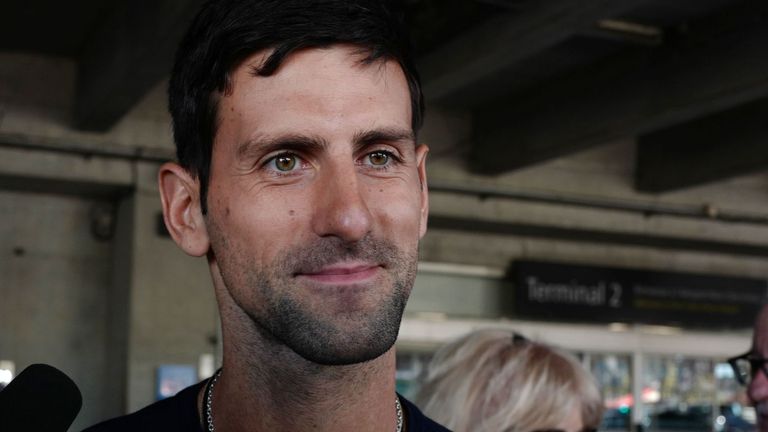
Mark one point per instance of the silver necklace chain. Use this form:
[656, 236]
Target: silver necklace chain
[399, 411]
[209, 401]
[209, 405]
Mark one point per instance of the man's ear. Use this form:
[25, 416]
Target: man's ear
[421, 159]
[180, 195]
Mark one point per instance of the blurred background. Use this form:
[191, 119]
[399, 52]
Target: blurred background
[598, 181]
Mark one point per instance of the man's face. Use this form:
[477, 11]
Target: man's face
[758, 386]
[317, 202]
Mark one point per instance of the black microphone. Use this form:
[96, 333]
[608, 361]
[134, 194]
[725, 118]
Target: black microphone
[41, 398]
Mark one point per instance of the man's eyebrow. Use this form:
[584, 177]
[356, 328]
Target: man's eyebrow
[385, 135]
[266, 144]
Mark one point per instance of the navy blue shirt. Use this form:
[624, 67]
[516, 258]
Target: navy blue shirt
[180, 414]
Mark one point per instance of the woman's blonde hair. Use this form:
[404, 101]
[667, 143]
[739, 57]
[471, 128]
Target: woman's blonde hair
[498, 381]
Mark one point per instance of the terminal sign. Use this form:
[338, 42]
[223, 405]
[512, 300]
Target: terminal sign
[564, 292]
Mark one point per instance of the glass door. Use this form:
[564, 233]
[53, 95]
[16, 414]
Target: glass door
[613, 373]
[686, 391]
[733, 410]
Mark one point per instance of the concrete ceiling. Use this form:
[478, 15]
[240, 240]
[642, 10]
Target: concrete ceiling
[49, 27]
[688, 79]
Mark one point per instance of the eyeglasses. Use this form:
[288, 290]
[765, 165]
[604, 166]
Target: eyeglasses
[746, 367]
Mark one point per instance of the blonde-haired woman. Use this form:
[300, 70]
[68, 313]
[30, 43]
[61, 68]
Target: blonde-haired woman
[498, 381]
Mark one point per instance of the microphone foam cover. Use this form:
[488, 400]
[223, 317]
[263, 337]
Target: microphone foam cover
[40, 398]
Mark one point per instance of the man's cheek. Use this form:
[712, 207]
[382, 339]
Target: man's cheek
[404, 211]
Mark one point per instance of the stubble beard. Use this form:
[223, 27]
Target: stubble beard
[268, 296]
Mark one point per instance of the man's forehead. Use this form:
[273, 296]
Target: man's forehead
[762, 316]
[353, 56]
[318, 96]
[760, 339]
[327, 74]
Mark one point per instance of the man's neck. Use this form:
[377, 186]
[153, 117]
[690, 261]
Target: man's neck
[276, 390]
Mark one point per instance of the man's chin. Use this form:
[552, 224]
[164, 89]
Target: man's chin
[346, 357]
[355, 338]
[761, 410]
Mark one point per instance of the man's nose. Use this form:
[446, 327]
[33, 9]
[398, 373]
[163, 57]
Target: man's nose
[340, 204]
[758, 386]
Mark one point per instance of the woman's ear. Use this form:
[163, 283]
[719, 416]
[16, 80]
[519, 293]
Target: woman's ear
[180, 195]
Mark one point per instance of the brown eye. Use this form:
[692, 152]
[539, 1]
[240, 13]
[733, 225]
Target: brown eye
[285, 162]
[378, 158]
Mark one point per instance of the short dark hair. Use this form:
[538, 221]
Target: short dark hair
[226, 32]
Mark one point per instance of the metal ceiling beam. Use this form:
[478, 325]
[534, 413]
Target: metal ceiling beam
[727, 144]
[627, 32]
[717, 65]
[130, 52]
[485, 51]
